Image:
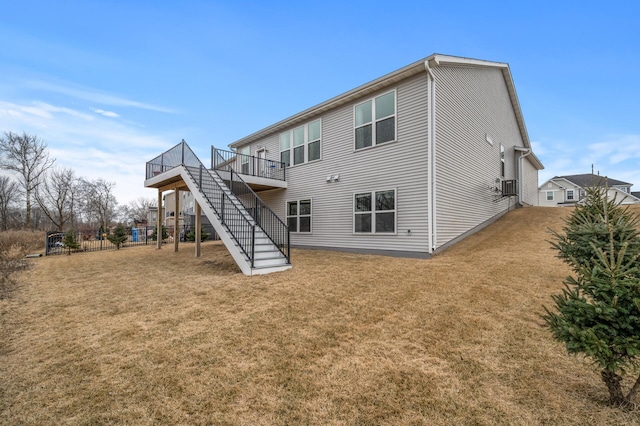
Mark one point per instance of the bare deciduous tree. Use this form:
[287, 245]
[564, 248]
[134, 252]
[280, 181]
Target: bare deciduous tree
[99, 201]
[140, 207]
[9, 192]
[25, 155]
[57, 195]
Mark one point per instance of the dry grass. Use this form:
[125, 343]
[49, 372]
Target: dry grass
[140, 336]
[14, 246]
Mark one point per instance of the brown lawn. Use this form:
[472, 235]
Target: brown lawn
[145, 336]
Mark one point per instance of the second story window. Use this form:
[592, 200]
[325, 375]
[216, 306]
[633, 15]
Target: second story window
[303, 141]
[375, 121]
[285, 148]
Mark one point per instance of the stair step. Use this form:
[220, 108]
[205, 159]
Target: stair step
[262, 263]
[263, 255]
[267, 255]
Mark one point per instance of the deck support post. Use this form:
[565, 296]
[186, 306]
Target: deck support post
[159, 221]
[176, 221]
[198, 228]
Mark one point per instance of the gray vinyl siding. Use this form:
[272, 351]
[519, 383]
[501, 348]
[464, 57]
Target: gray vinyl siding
[471, 103]
[530, 183]
[400, 165]
[558, 194]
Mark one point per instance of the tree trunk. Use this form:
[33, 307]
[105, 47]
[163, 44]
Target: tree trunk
[27, 220]
[614, 384]
[632, 394]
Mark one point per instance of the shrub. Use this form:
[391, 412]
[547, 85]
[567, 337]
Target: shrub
[191, 235]
[118, 236]
[14, 246]
[165, 234]
[598, 312]
[70, 241]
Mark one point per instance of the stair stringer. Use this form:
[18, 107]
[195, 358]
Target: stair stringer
[238, 256]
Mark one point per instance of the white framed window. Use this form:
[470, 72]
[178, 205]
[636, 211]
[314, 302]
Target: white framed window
[375, 121]
[285, 148]
[502, 166]
[298, 145]
[245, 155]
[314, 130]
[304, 141]
[549, 195]
[374, 212]
[299, 216]
[569, 194]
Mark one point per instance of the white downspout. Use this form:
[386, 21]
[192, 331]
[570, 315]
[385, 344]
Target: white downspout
[431, 157]
[524, 153]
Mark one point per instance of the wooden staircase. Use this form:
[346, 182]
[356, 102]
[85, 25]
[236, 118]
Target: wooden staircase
[256, 238]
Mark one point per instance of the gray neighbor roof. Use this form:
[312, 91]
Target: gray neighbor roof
[589, 179]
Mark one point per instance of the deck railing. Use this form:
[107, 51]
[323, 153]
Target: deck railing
[241, 228]
[179, 155]
[247, 164]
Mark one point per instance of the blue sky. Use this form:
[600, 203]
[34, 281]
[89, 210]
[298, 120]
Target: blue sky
[109, 85]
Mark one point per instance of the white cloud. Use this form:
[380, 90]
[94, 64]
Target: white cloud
[92, 95]
[93, 145]
[110, 114]
[615, 156]
[617, 148]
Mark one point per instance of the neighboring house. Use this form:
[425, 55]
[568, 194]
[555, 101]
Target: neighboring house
[568, 190]
[169, 219]
[407, 164]
[152, 216]
[186, 210]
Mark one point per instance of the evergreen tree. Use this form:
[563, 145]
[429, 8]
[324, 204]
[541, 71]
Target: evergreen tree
[70, 242]
[118, 236]
[191, 235]
[598, 312]
[165, 234]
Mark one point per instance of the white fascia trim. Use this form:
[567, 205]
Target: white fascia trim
[458, 60]
[366, 89]
[354, 94]
[566, 180]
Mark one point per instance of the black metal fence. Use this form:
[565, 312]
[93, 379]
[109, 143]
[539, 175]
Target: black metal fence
[96, 240]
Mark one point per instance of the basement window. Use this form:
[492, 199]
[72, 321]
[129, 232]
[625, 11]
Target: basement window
[374, 212]
[299, 216]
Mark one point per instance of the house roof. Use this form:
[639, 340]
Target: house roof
[636, 194]
[589, 179]
[392, 78]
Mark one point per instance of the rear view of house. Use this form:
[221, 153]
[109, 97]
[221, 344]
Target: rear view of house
[406, 164]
